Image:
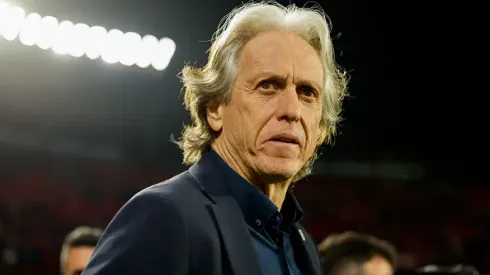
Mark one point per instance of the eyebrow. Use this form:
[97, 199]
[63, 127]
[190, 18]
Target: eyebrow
[282, 79]
[309, 83]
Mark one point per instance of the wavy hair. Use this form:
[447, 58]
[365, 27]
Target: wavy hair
[211, 84]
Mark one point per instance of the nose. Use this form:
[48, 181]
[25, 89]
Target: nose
[288, 105]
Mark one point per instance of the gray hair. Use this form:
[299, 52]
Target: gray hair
[80, 236]
[211, 84]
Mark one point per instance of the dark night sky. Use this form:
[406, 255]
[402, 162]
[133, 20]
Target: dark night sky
[406, 99]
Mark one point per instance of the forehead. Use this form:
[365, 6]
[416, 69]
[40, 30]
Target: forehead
[283, 53]
[79, 256]
[378, 266]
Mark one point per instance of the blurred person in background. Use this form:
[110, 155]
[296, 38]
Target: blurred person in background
[351, 253]
[268, 97]
[77, 249]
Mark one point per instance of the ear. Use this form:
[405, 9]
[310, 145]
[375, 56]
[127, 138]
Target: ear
[215, 116]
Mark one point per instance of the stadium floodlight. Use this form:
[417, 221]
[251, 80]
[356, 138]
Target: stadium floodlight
[31, 29]
[62, 37]
[131, 47]
[78, 39]
[12, 20]
[164, 51]
[49, 28]
[149, 44]
[97, 37]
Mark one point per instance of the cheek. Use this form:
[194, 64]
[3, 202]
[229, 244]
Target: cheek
[314, 129]
[256, 126]
[241, 123]
[255, 116]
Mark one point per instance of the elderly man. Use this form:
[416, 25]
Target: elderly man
[269, 95]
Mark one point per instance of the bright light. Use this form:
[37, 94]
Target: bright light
[149, 44]
[31, 29]
[78, 44]
[163, 53]
[112, 52]
[62, 38]
[4, 10]
[49, 27]
[12, 22]
[96, 42]
[131, 47]
[78, 39]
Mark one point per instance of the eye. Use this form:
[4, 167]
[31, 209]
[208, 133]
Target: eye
[266, 85]
[308, 91]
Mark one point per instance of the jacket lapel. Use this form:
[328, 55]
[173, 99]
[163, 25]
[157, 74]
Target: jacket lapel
[228, 217]
[235, 237]
[305, 252]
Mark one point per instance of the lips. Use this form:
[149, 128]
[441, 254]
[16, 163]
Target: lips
[285, 138]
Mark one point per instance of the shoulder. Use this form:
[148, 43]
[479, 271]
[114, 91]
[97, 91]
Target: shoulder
[168, 202]
[149, 234]
[174, 191]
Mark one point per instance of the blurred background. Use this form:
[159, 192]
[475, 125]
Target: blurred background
[80, 134]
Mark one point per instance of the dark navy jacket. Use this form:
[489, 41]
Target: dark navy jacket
[189, 224]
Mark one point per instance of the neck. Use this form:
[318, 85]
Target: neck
[275, 191]
[274, 188]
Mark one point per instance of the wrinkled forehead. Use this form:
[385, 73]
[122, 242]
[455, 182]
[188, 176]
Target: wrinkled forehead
[282, 53]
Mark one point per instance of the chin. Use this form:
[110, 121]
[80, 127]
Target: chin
[279, 167]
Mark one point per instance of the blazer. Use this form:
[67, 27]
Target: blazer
[189, 224]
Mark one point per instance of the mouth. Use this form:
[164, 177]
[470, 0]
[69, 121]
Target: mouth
[286, 139]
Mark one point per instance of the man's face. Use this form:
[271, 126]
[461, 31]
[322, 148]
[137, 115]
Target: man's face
[77, 260]
[272, 123]
[378, 266]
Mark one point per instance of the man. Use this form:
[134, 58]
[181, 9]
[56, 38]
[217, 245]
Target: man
[270, 94]
[77, 249]
[356, 254]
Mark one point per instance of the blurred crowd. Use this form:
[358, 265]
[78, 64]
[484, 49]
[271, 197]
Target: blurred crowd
[427, 222]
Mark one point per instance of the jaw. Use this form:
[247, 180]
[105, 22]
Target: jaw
[277, 167]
